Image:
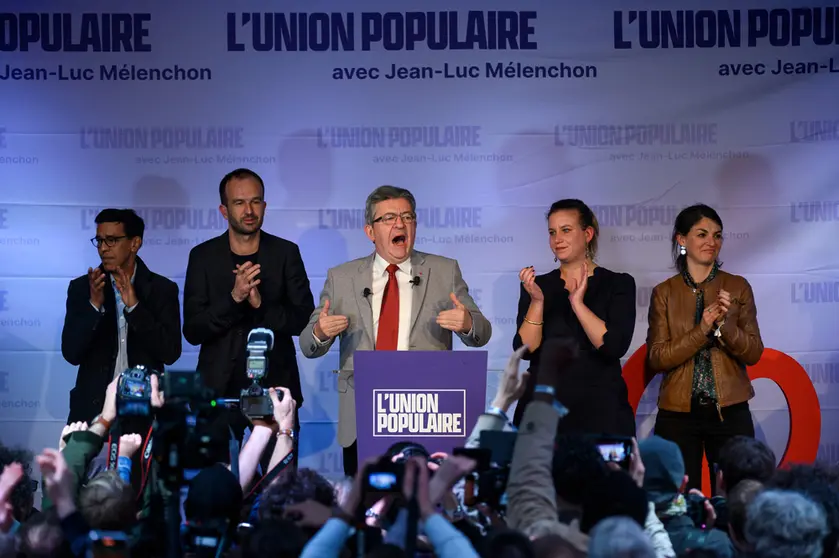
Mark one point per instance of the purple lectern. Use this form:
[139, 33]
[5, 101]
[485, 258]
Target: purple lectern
[432, 398]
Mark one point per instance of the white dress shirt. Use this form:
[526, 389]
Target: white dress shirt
[403, 278]
[121, 363]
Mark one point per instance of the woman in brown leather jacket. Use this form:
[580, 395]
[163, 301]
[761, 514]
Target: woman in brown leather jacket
[702, 334]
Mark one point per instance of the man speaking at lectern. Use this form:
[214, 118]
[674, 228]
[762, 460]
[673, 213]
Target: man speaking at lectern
[394, 299]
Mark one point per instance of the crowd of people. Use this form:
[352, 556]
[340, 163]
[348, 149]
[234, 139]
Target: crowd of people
[193, 478]
[556, 497]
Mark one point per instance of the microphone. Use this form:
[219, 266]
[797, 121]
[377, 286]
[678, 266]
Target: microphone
[366, 292]
[416, 280]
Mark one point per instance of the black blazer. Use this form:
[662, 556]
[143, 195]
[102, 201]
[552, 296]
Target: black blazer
[215, 321]
[89, 338]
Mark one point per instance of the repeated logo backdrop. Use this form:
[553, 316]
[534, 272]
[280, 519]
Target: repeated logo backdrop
[488, 113]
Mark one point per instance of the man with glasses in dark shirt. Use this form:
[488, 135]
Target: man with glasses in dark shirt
[119, 315]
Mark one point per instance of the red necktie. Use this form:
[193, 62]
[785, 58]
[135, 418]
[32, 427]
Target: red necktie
[387, 338]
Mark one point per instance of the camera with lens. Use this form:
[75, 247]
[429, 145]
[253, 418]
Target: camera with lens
[134, 392]
[108, 544]
[696, 509]
[205, 538]
[254, 401]
[384, 476]
[488, 483]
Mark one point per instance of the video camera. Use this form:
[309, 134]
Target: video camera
[134, 392]
[254, 401]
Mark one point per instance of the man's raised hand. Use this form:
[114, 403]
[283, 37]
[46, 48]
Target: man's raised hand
[328, 326]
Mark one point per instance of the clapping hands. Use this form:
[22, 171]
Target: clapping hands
[577, 285]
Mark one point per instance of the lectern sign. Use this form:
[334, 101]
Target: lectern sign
[419, 413]
[432, 398]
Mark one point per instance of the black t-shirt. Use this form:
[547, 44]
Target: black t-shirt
[238, 381]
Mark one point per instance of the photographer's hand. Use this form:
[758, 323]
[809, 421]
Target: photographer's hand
[109, 409]
[710, 512]
[157, 399]
[284, 416]
[129, 444]
[283, 410]
[636, 465]
[416, 470]
[451, 470]
[308, 514]
[351, 508]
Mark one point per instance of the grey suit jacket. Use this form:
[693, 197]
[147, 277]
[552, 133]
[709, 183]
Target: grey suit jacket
[344, 289]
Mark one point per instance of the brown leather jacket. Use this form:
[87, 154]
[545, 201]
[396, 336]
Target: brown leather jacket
[673, 339]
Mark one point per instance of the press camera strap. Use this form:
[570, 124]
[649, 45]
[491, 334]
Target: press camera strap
[145, 457]
[234, 453]
[113, 446]
[272, 474]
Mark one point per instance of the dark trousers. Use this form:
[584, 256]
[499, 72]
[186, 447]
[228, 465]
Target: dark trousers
[701, 431]
[351, 460]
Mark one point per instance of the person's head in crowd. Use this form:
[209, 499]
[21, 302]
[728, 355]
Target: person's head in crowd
[23, 495]
[616, 494]
[743, 458]
[214, 495]
[295, 487]
[108, 503]
[577, 466]
[507, 543]
[620, 537]
[739, 500]
[42, 537]
[819, 483]
[785, 524]
[387, 550]
[556, 546]
[407, 450]
[275, 538]
[664, 471]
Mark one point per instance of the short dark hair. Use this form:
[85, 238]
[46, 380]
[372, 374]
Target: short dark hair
[577, 466]
[685, 221]
[738, 503]
[384, 193]
[294, 487]
[41, 536]
[238, 174]
[587, 219]
[133, 223]
[745, 458]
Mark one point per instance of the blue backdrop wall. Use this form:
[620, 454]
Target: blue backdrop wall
[488, 112]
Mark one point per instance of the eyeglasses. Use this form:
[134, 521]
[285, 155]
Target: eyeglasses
[108, 240]
[390, 218]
